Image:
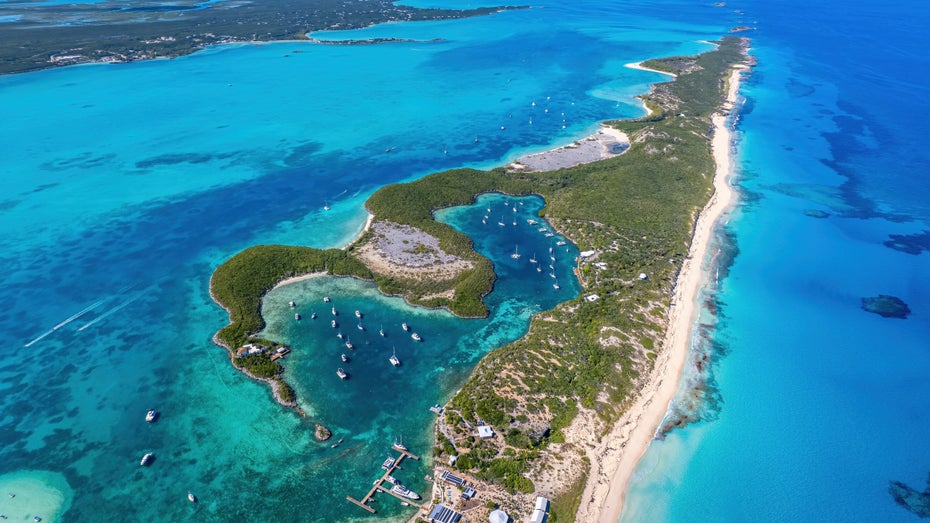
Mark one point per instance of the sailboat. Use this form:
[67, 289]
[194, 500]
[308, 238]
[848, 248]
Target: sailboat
[360, 325]
[325, 206]
[516, 252]
[349, 343]
[556, 285]
[334, 312]
[501, 222]
[533, 259]
[393, 359]
[381, 330]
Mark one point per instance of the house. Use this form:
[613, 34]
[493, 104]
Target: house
[444, 514]
[542, 504]
[452, 459]
[538, 517]
[469, 493]
[485, 432]
[591, 297]
[451, 479]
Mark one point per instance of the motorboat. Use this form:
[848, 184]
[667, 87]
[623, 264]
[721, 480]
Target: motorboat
[358, 314]
[325, 299]
[341, 373]
[405, 492]
[191, 497]
[333, 324]
[292, 304]
[345, 359]
[416, 337]
[146, 459]
[151, 415]
[405, 327]
[297, 316]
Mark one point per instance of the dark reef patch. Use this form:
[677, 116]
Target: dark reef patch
[816, 213]
[918, 503]
[909, 243]
[886, 306]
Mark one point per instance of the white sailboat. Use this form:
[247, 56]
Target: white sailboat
[394, 359]
[533, 259]
[381, 330]
[516, 252]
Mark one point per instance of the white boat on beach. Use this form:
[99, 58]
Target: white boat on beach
[341, 373]
[146, 459]
[395, 361]
[405, 492]
[416, 337]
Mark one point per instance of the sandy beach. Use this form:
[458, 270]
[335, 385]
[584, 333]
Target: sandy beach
[641, 67]
[606, 143]
[619, 452]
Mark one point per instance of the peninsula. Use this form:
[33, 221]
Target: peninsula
[575, 401]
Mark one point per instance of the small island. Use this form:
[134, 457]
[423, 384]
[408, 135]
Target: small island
[553, 401]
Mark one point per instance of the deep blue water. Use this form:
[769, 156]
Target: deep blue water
[816, 404]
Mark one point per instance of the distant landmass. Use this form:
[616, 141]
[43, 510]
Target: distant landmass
[41, 35]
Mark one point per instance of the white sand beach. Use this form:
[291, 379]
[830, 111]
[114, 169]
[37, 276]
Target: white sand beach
[620, 450]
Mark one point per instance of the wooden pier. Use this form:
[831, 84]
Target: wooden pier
[378, 486]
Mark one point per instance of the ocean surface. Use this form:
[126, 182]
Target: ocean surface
[122, 187]
[813, 405]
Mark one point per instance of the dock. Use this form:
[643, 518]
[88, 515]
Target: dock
[378, 486]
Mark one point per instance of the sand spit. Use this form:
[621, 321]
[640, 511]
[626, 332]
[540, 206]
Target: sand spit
[605, 143]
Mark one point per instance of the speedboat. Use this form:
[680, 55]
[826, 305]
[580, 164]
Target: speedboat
[151, 415]
[392, 480]
[341, 373]
[146, 459]
[191, 497]
[416, 337]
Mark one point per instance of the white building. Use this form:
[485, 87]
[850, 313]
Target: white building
[485, 432]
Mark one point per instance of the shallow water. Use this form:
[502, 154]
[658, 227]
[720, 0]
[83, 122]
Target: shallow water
[123, 186]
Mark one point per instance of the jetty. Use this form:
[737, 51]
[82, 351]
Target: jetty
[378, 486]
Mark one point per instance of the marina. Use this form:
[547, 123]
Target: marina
[403, 494]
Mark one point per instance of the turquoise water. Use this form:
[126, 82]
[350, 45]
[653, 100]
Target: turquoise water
[123, 186]
[815, 405]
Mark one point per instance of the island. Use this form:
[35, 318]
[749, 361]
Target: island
[886, 306]
[55, 34]
[566, 411]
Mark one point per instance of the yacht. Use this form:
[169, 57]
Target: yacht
[333, 324]
[325, 206]
[514, 208]
[542, 229]
[549, 235]
[552, 275]
[292, 304]
[191, 497]
[358, 314]
[341, 373]
[339, 335]
[297, 316]
[312, 315]
[501, 222]
[416, 337]
[399, 445]
[560, 243]
[151, 415]
[146, 459]
[334, 445]
[484, 222]
[349, 344]
[531, 221]
[388, 463]
[405, 327]
[394, 360]
[360, 325]
[334, 312]
[381, 331]
[538, 268]
[516, 253]
[405, 492]
[392, 480]
[533, 259]
[325, 299]
[556, 285]
[345, 359]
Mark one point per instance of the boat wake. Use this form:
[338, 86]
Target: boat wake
[111, 311]
[75, 316]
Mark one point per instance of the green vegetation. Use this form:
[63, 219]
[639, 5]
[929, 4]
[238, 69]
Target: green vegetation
[64, 34]
[636, 210]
